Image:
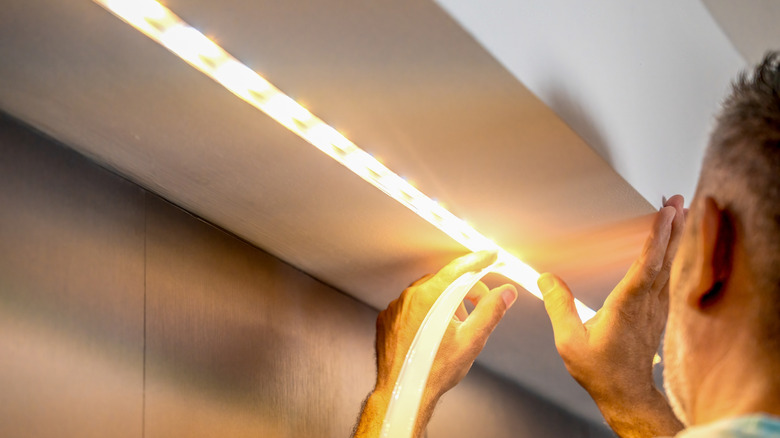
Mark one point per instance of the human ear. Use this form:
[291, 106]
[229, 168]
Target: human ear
[715, 255]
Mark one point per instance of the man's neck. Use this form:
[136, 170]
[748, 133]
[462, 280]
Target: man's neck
[737, 383]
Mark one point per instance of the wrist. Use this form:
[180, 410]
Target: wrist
[646, 414]
[375, 408]
[372, 415]
[378, 402]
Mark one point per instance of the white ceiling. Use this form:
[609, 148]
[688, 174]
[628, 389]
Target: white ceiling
[638, 81]
[410, 84]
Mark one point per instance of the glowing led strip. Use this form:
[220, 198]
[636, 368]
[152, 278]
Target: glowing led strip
[160, 24]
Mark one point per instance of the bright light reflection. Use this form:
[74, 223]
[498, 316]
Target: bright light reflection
[240, 79]
[160, 24]
[190, 44]
[286, 110]
[138, 12]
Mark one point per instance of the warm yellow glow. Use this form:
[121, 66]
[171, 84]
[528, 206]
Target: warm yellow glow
[286, 111]
[140, 13]
[240, 79]
[160, 24]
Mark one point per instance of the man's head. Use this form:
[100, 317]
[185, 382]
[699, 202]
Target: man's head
[725, 285]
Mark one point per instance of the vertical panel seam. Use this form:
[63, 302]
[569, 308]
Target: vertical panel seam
[143, 392]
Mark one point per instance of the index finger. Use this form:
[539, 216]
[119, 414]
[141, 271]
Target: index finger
[646, 268]
[472, 262]
[678, 223]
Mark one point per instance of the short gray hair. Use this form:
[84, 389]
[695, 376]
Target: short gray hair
[741, 170]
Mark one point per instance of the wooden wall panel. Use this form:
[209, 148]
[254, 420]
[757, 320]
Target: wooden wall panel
[71, 293]
[241, 344]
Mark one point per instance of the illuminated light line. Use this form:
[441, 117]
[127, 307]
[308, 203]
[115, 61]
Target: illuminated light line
[163, 26]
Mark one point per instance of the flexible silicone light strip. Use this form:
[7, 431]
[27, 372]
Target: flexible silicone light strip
[163, 26]
[402, 410]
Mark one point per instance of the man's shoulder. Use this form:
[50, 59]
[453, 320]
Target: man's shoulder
[749, 426]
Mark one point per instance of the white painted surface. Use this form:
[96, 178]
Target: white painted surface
[639, 81]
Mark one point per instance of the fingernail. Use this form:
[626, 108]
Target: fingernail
[674, 212]
[546, 283]
[509, 295]
[492, 253]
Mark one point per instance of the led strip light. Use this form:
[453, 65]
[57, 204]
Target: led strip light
[163, 26]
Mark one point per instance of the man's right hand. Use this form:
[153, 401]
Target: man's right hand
[611, 355]
[462, 342]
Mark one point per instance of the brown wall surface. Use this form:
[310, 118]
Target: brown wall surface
[122, 315]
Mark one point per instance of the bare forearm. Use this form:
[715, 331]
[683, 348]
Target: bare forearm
[650, 417]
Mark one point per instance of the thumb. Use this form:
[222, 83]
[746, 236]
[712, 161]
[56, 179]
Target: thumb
[559, 303]
[488, 312]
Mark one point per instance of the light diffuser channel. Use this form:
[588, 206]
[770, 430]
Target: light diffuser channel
[163, 26]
